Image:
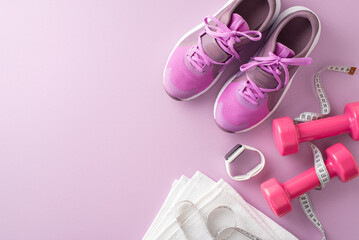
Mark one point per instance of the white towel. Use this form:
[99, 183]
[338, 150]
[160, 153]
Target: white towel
[207, 195]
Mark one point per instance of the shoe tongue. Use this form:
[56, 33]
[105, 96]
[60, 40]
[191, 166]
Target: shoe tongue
[210, 45]
[283, 51]
[237, 23]
[264, 79]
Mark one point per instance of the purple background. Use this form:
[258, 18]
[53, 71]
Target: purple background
[90, 143]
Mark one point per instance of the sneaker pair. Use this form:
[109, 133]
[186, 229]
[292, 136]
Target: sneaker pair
[241, 29]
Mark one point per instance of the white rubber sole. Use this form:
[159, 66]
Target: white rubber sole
[276, 23]
[278, 6]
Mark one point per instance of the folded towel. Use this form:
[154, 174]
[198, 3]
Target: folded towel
[193, 209]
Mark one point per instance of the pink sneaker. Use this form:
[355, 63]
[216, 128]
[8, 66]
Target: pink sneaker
[254, 94]
[202, 55]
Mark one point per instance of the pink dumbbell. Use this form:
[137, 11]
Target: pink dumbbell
[340, 162]
[287, 135]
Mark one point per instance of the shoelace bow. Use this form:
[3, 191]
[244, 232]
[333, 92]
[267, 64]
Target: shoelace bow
[225, 37]
[271, 64]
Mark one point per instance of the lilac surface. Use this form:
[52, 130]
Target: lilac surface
[91, 143]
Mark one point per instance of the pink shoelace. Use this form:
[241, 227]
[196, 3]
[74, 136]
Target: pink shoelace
[271, 64]
[225, 37]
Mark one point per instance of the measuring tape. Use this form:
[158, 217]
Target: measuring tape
[319, 164]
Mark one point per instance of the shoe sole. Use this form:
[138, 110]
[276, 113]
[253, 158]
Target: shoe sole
[278, 5]
[279, 19]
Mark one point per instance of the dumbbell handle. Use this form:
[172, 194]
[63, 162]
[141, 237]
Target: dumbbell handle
[323, 128]
[306, 181]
